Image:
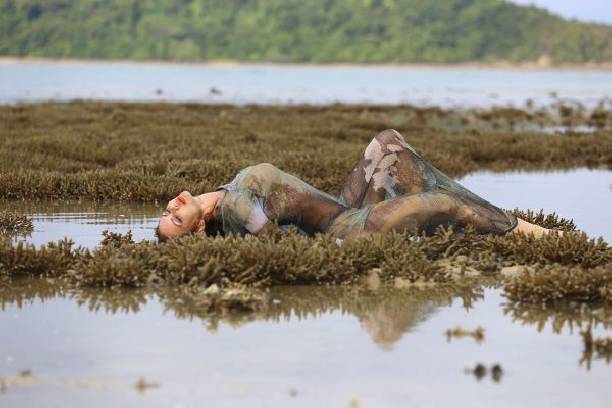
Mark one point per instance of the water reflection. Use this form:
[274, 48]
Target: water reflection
[84, 221]
[595, 348]
[571, 316]
[385, 314]
[306, 342]
[574, 317]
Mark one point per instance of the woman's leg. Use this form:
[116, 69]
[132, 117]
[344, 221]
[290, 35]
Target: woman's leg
[425, 211]
[391, 167]
[529, 228]
[375, 175]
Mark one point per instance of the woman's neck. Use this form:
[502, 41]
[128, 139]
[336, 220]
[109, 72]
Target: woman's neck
[208, 203]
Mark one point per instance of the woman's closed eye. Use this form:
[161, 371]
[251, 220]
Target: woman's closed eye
[175, 220]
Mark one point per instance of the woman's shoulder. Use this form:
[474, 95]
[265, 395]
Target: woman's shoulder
[263, 169]
[252, 176]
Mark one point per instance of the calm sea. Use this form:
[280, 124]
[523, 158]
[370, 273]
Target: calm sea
[26, 82]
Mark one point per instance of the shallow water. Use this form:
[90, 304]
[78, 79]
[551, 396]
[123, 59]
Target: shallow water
[84, 221]
[24, 82]
[581, 194]
[310, 347]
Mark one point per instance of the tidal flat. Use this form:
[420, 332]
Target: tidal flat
[276, 319]
[148, 152]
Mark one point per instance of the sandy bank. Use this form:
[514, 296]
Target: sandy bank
[501, 65]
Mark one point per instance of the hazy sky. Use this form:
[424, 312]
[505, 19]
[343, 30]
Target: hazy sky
[586, 10]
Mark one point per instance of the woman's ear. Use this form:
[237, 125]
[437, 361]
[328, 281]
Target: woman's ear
[201, 227]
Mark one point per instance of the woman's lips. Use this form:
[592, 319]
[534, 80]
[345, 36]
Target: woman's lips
[181, 199]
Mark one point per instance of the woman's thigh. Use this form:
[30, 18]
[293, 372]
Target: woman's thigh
[424, 212]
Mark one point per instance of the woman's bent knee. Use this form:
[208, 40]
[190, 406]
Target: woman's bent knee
[389, 136]
[392, 141]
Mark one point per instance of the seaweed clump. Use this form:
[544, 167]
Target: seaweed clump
[273, 259]
[116, 239]
[556, 282]
[113, 151]
[12, 223]
[570, 266]
[551, 221]
[26, 260]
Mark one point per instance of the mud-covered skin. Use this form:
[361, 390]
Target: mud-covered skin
[390, 189]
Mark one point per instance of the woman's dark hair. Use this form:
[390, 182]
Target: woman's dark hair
[160, 237]
[212, 228]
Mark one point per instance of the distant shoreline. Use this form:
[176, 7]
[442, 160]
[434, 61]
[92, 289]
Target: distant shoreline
[501, 65]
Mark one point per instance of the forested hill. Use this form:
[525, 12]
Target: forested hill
[297, 31]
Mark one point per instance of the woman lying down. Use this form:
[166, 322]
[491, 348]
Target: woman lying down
[391, 188]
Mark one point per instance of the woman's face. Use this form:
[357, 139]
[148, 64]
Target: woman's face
[181, 216]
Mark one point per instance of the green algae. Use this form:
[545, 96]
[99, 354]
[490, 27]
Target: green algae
[109, 151]
[27, 378]
[142, 385]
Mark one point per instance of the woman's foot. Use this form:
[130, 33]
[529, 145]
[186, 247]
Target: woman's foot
[529, 228]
